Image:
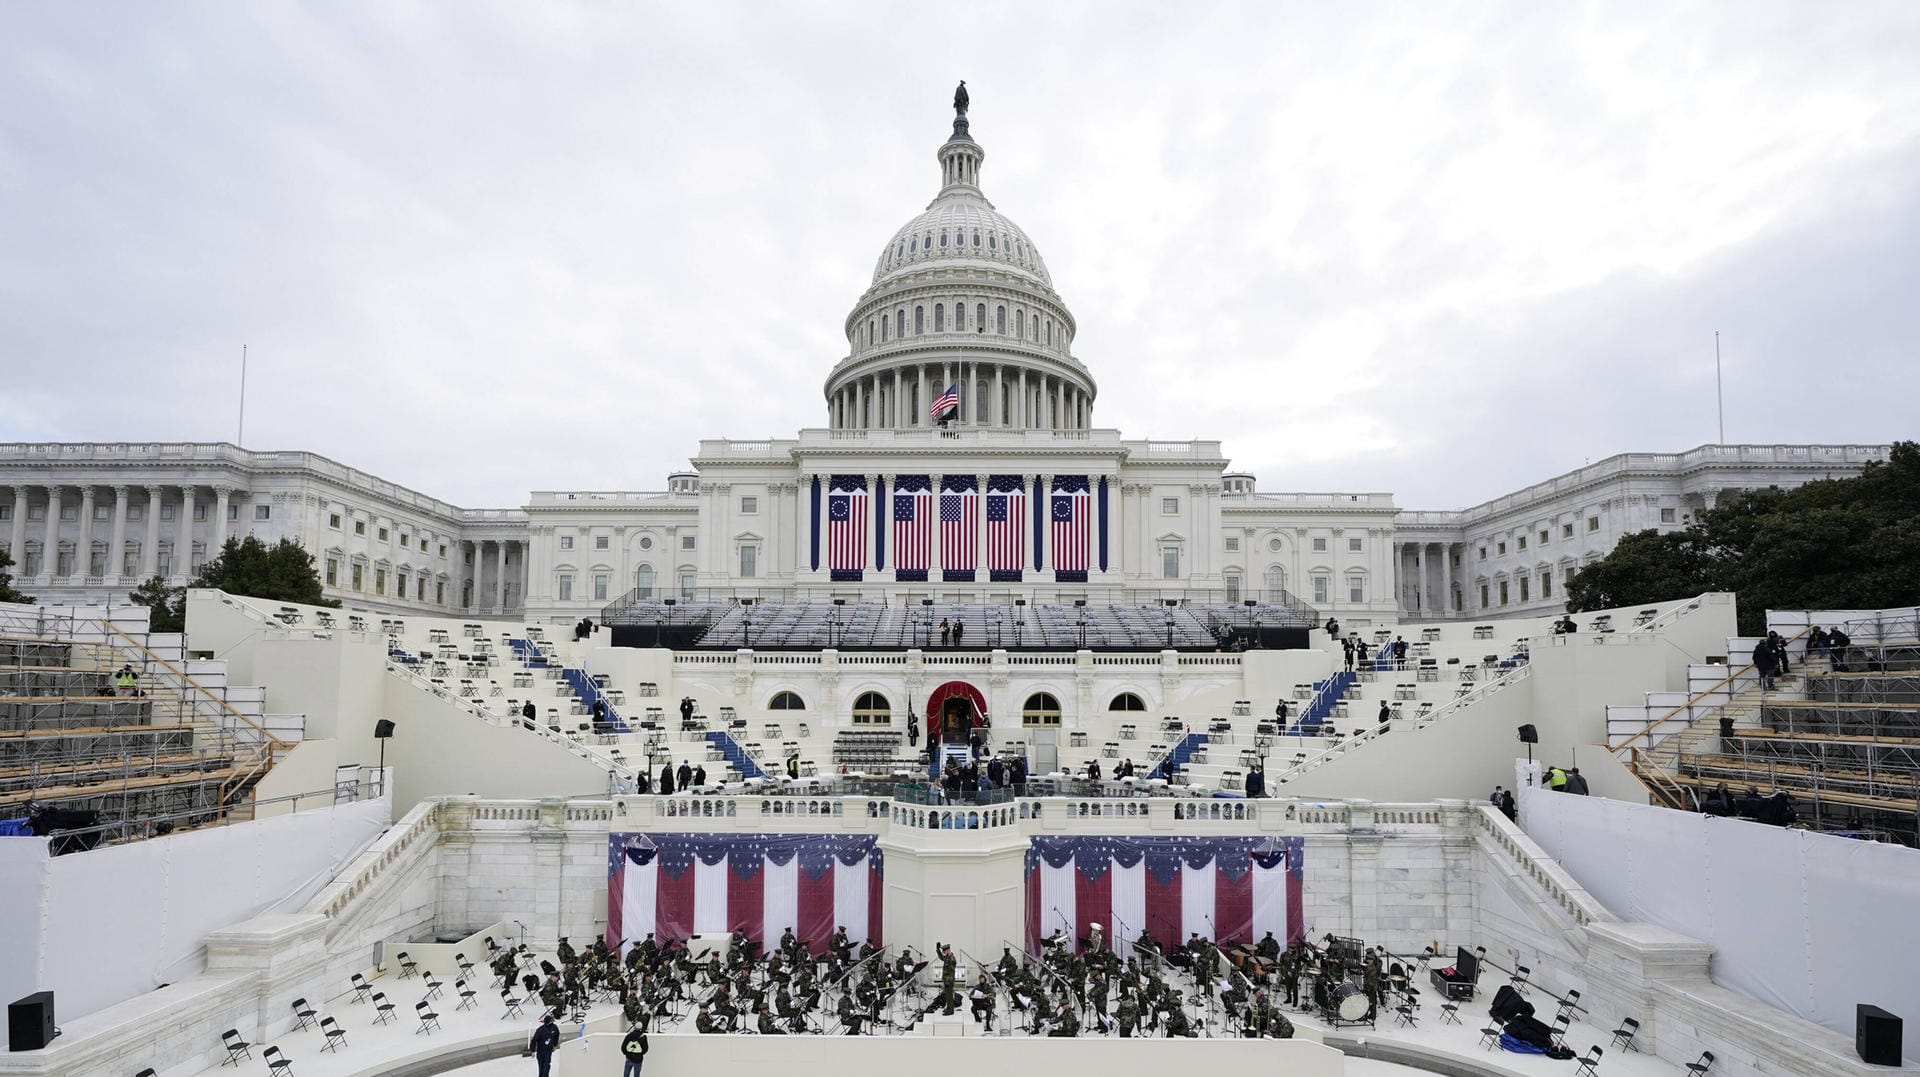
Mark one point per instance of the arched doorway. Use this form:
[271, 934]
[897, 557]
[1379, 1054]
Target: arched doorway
[954, 711]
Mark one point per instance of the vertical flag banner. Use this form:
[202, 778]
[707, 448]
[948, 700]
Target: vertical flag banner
[673, 886]
[912, 528]
[1071, 512]
[959, 528]
[880, 521]
[1103, 523]
[1006, 527]
[1225, 889]
[816, 523]
[846, 526]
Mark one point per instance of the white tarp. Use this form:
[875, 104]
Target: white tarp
[103, 926]
[1809, 923]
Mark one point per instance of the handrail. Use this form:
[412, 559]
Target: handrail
[1373, 732]
[1692, 701]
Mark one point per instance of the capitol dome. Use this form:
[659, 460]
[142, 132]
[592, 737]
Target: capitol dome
[960, 300]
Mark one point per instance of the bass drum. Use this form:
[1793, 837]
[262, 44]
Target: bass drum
[1350, 1002]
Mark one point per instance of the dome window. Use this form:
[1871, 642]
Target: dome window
[990, 242]
[902, 251]
[943, 239]
[929, 241]
[913, 247]
[939, 317]
[980, 317]
[976, 239]
[999, 316]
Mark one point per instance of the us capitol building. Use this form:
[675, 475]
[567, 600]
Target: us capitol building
[1013, 492]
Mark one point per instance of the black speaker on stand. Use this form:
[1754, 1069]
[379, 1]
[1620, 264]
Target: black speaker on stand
[30, 1023]
[1876, 1035]
[1529, 736]
[383, 732]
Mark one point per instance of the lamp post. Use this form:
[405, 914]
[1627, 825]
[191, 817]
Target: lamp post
[1169, 614]
[833, 626]
[669, 604]
[1019, 619]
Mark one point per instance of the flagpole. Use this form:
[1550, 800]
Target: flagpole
[240, 437]
[1719, 388]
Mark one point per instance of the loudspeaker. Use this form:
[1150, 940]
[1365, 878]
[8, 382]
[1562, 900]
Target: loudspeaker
[30, 1023]
[382, 729]
[1529, 735]
[1876, 1034]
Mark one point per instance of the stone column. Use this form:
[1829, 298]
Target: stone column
[1426, 578]
[117, 553]
[50, 545]
[1446, 579]
[996, 407]
[83, 549]
[222, 497]
[150, 549]
[17, 542]
[899, 414]
[500, 577]
[1399, 595]
[183, 547]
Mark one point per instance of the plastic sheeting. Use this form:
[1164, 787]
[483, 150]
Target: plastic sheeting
[1809, 923]
[119, 921]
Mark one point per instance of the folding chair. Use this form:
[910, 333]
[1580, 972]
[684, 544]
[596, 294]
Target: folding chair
[466, 994]
[466, 967]
[1403, 1015]
[1570, 1006]
[409, 968]
[433, 985]
[362, 990]
[1449, 1013]
[1590, 1065]
[277, 1062]
[1560, 1024]
[1700, 1066]
[303, 1014]
[335, 1035]
[512, 1002]
[237, 1048]
[428, 1019]
[1518, 979]
[1490, 1037]
[384, 1008]
[1623, 1036]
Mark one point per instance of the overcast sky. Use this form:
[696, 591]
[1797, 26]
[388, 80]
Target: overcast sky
[1441, 251]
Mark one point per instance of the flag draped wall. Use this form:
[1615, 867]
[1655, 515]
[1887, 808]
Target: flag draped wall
[1227, 889]
[679, 885]
[912, 528]
[1071, 510]
[959, 528]
[1006, 527]
[847, 526]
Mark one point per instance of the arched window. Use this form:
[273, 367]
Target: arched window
[870, 330]
[980, 316]
[900, 322]
[643, 581]
[1000, 320]
[1276, 582]
[919, 320]
[939, 317]
[1049, 330]
[943, 240]
[872, 709]
[901, 251]
[884, 332]
[991, 245]
[929, 242]
[1019, 323]
[1127, 701]
[786, 701]
[980, 399]
[976, 237]
[913, 246]
[1041, 709]
[959, 317]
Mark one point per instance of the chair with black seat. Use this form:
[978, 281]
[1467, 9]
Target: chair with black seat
[428, 1019]
[237, 1048]
[1560, 1024]
[148, 1072]
[382, 1007]
[434, 985]
[1590, 1065]
[512, 1002]
[335, 1036]
[277, 1063]
[1449, 1013]
[467, 995]
[1403, 1015]
[1570, 1006]
[1519, 978]
[303, 1014]
[409, 968]
[466, 966]
[1701, 1065]
[362, 990]
[1490, 1036]
[1623, 1036]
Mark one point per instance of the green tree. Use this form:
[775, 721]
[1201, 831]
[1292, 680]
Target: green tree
[1849, 543]
[7, 593]
[282, 572]
[166, 606]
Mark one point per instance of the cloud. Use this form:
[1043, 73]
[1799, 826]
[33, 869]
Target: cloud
[1441, 251]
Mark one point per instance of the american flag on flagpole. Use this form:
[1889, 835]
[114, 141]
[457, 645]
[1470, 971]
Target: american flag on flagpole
[847, 526]
[912, 527]
[1006, 527]
[1070, 511]
[946, 401]
[959, 528]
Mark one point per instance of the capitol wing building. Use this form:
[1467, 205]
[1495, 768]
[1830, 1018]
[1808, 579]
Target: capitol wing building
[960, 462]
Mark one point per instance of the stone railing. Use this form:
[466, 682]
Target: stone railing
[401, 845]
[1499, 833]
